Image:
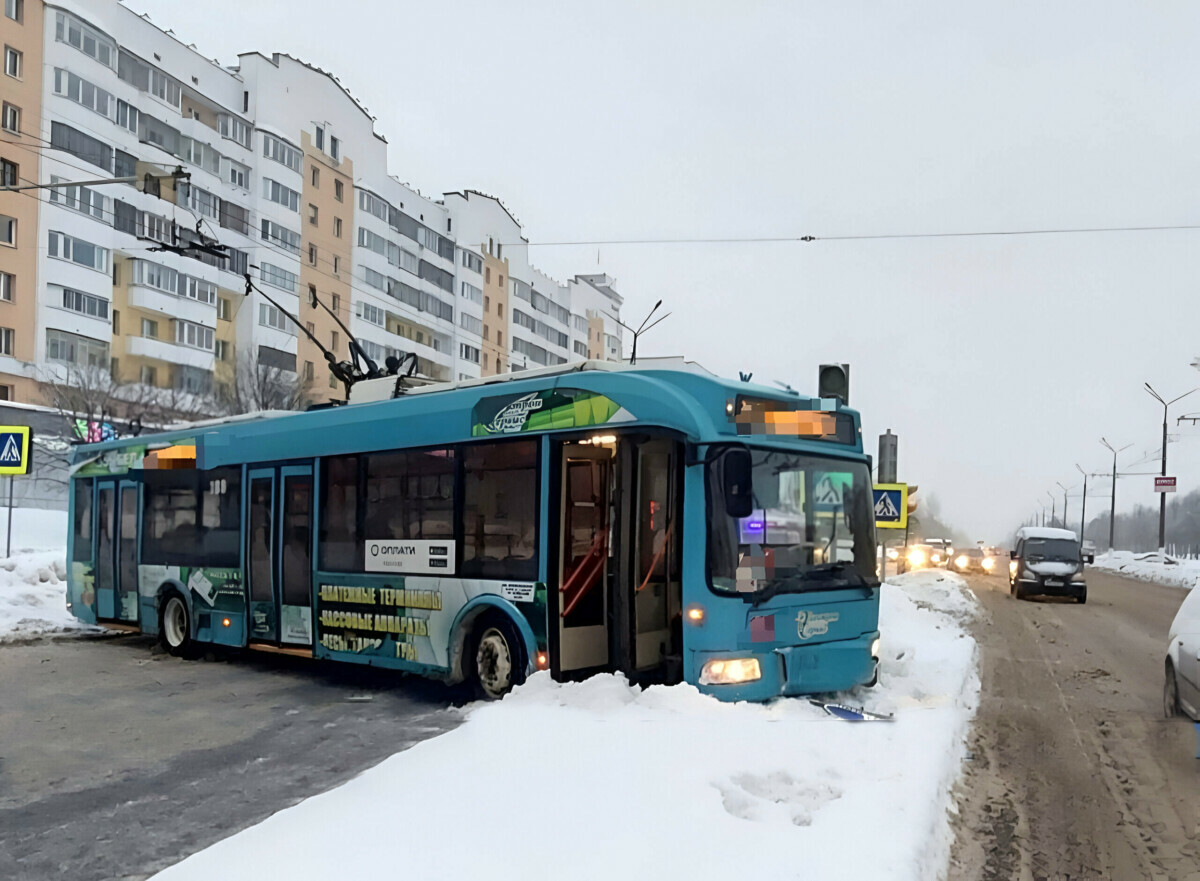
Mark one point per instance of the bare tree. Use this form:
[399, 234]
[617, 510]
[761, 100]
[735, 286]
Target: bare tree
[93, 402]
[258, 387]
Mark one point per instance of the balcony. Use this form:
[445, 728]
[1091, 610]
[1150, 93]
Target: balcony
[172, 305]
[161, 350]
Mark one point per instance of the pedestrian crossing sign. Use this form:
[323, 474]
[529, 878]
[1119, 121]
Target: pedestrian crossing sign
[891, 505]
[14, 449]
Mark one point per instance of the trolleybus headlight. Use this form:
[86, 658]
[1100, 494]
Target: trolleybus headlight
[875, 648]
[962, 561]
[989, 562]
[730, 671]
[695, 615]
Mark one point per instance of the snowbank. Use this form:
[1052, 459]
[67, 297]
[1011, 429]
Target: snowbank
[33, 596]
[601, 780]
[1150, 567]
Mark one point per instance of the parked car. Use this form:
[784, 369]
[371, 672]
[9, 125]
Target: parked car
[973, 560]
[1047, 562]
[1181, 689]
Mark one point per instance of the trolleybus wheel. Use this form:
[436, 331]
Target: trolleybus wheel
[174, 627]
[497, 658]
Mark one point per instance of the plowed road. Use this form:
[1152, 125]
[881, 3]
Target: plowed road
[1075, 772]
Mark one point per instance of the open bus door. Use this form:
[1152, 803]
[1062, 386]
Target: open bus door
[279, 555]
[583, 601]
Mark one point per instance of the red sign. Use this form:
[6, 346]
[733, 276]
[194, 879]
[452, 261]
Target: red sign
[1164, 484]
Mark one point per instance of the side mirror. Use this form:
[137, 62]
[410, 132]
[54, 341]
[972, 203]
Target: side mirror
[738, 471]
[1012, 555]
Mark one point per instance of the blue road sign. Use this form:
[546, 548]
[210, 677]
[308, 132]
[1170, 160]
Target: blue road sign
[891, 505]
[14, 449]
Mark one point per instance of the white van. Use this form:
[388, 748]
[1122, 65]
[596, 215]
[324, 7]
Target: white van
[1047, 562]
[1181, 691]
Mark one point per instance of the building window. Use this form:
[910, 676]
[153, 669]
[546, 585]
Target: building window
[127, 116]
[334, 340]
[312, 254]
[85, 304]
[309, 371]
[223, 310]
[499, 310]
[281, 235]
[320, 138]
[278, 193]
[335, 148]
[487, 275]
[12, 62]
[235, 129]
[6, 340]
[312, 214]
[370, 313]
[74, 349]
[337, 190]
[149, 329]
[222, 350]
[337, 227]
[239, 175]
[8, 287]
[468, 353]
[15, 9]
[87, 148]
[337, 263]
[73, 32]
[316, 177]
[9, 172]
[116, 323]
[501, 280]
[149, 375]
[280, 278]
[269, 316]
[92, 203]
[499, 338]
[78, 251]
[194, 336]
[336, 302]
[283, 153]
[11, 119]
[487, 303]
[84, 93]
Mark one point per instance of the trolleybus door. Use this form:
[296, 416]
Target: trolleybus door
[656, 582]
[279, 554]
[106, 528]
[127, 520]
[583, 600]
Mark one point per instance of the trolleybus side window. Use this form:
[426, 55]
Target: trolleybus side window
[341, 544]
[410, 495]
[500, 506]
[83, 521]
[192, 517]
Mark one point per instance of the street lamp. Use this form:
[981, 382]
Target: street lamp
[1162, 499]
[1082, 504]
[1065, 490]
[1112, 511]
[1053, 506]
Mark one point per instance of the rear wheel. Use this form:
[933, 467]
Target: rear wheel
[497, 658]
[1171, 707]
[175, 627]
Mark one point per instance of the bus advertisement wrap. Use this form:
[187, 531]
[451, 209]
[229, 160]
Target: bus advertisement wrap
[545, 411]
[410, 556]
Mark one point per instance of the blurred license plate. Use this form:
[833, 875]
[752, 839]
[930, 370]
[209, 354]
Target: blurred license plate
[1054, 584]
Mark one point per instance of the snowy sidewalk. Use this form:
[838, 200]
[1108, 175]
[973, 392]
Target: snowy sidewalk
[1150, 567]
[601, 780]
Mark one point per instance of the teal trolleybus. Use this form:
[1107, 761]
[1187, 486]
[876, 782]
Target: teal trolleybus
[653, 520]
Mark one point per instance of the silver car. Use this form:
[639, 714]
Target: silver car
[1181, 689]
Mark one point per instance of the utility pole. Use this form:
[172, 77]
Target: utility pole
[1082, 504]
[1064, 489]
[1162, 496]
[1112, 510]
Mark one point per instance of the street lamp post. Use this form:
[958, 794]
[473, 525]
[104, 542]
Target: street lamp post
[1082, 504]
[1162, 498]
[1064, 489]
[1053, 507]
[1112, 511]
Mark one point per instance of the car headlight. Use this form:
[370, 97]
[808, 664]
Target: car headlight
[1077, 578]
[730, 671]
[875, 648]
[988, 563]
[935, 558]
[916, 558]
[962, 561]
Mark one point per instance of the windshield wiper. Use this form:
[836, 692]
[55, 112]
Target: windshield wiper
[815, 572]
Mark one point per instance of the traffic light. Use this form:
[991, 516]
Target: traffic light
[833, 381]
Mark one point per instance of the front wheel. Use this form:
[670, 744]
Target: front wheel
[1171, 707]
[174, 628]
[1081, 597]
[497, 658]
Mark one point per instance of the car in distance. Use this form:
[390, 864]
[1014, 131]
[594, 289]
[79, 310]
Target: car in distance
[918, 556]
[1047, 562]
[1181, 687]
[973, 560]
[942, 550]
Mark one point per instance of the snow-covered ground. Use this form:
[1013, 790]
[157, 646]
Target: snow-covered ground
[33, 587]
[1151, 567]
[601, 780]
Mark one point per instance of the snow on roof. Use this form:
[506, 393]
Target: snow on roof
[1046, 532]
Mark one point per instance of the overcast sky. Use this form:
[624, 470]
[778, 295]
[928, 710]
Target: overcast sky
[999, 361]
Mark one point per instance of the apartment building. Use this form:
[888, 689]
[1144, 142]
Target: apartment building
[254, 224]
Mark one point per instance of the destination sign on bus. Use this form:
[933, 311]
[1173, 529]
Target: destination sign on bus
[765, 416]
[410, 556]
